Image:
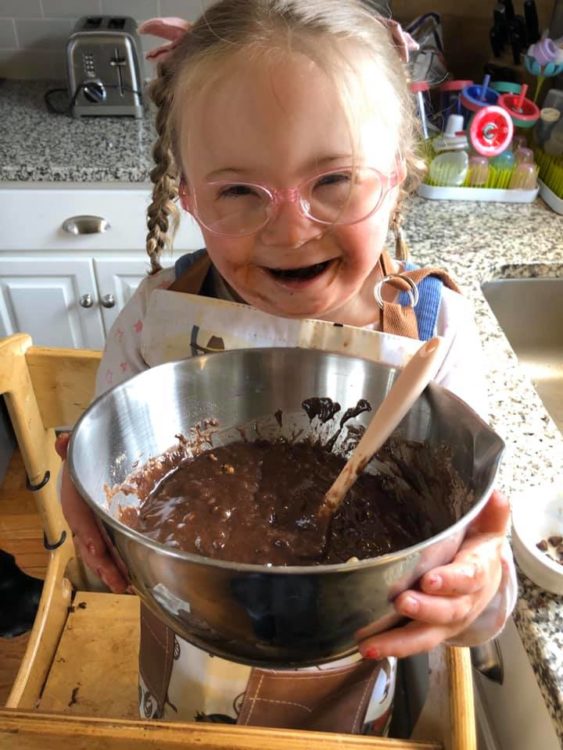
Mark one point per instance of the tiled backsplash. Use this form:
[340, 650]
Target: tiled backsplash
[33, 32]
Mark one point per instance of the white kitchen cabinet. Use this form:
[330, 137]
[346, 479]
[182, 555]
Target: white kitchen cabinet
[117, 279]
[67, 289]
[46, 298]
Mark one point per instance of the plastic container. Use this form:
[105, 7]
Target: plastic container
[549, 116]
[554, 144]
[453, 138]
[524, 112]
[450, 97]
[491, 131]
[550, 198]
[506, 87]
[538, 514]
[497, 195]
[554, 98]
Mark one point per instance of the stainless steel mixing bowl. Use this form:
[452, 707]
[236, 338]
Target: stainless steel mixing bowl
[276, 616]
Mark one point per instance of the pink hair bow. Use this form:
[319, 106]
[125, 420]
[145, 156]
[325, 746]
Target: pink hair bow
[171, 28]
[403, 41]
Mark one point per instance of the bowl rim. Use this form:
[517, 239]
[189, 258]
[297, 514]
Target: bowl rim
[552, 490]
[278, 570]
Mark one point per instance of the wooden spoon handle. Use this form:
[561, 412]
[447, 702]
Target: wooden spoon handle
[413, 379]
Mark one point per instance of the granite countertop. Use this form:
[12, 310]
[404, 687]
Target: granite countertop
[37, 145]
[474, 241]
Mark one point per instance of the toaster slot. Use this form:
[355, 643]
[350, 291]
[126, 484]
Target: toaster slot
[116, 24]
[92, 22]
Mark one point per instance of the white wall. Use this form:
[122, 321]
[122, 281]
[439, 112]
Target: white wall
[33, 32]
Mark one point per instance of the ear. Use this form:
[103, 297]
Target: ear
[401, 171]
[185, 196]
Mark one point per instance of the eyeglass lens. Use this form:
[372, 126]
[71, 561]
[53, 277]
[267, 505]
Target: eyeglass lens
[340, 197]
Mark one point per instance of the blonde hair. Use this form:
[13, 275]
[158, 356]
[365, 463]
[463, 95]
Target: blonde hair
[230, 26]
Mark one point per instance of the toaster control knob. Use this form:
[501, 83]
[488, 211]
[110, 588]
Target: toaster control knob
[94, 91]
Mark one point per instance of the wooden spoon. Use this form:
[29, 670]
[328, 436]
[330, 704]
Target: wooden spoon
[414, 378]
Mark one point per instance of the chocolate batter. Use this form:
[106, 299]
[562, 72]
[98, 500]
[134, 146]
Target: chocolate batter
[258, 503]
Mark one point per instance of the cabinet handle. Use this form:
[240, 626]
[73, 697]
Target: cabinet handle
[86, 300]
[108, 300]
[86, 225]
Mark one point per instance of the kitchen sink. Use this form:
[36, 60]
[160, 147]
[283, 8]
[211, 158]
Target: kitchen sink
[530, 312]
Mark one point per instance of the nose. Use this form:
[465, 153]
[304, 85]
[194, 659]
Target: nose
[289, 227]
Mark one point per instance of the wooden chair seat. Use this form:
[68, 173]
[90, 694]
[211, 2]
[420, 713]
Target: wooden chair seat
[78, 681]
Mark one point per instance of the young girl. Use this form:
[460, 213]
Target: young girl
[286, 129]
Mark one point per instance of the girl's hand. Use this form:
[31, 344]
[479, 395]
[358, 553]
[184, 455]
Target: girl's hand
[90, 543]
[452, 596]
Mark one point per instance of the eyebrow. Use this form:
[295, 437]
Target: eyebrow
[244, 172]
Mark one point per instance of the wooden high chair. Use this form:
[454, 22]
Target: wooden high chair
[78, 679]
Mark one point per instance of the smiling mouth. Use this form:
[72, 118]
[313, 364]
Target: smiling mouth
[299, 274]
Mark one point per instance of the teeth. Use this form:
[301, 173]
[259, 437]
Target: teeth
[308, 272]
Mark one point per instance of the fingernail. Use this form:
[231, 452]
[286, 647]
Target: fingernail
[434, 582]
[372, 653]
[410, 605]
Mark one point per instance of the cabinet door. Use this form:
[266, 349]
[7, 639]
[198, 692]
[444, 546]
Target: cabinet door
[117, 280]
[42, 297]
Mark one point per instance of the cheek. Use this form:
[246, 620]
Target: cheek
[226, 254]
[362, 243]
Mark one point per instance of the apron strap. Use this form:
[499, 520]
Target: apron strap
[398, 319]
[191, 276]
[156, 656]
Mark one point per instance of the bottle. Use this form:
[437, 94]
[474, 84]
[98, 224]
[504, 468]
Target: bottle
[554, 144]
[449, 167]
[549, 116]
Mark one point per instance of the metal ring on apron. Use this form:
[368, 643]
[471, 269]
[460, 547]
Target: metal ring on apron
[412, 292]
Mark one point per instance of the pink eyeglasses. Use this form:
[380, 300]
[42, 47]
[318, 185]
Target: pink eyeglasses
[343, 196]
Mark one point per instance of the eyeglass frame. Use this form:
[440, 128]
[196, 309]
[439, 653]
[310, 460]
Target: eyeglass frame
[292, 195]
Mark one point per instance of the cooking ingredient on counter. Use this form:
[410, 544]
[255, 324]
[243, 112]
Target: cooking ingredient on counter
[553, 548]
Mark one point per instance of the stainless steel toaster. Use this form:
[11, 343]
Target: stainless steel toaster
[104, 67]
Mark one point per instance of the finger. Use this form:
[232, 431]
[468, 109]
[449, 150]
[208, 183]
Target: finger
[80, 518]
[103, 567]
[494, 517]
[471, 569]
[61, 444]
[410, 639]
[435, 610]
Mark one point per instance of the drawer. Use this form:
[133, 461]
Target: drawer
[32, 216]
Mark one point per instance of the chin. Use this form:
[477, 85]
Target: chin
[294, 308]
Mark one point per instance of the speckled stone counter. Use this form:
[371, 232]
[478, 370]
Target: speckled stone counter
[477, 242]
[37, 145]
[474, 241]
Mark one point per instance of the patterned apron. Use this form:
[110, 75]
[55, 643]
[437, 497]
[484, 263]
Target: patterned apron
[179, 681]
